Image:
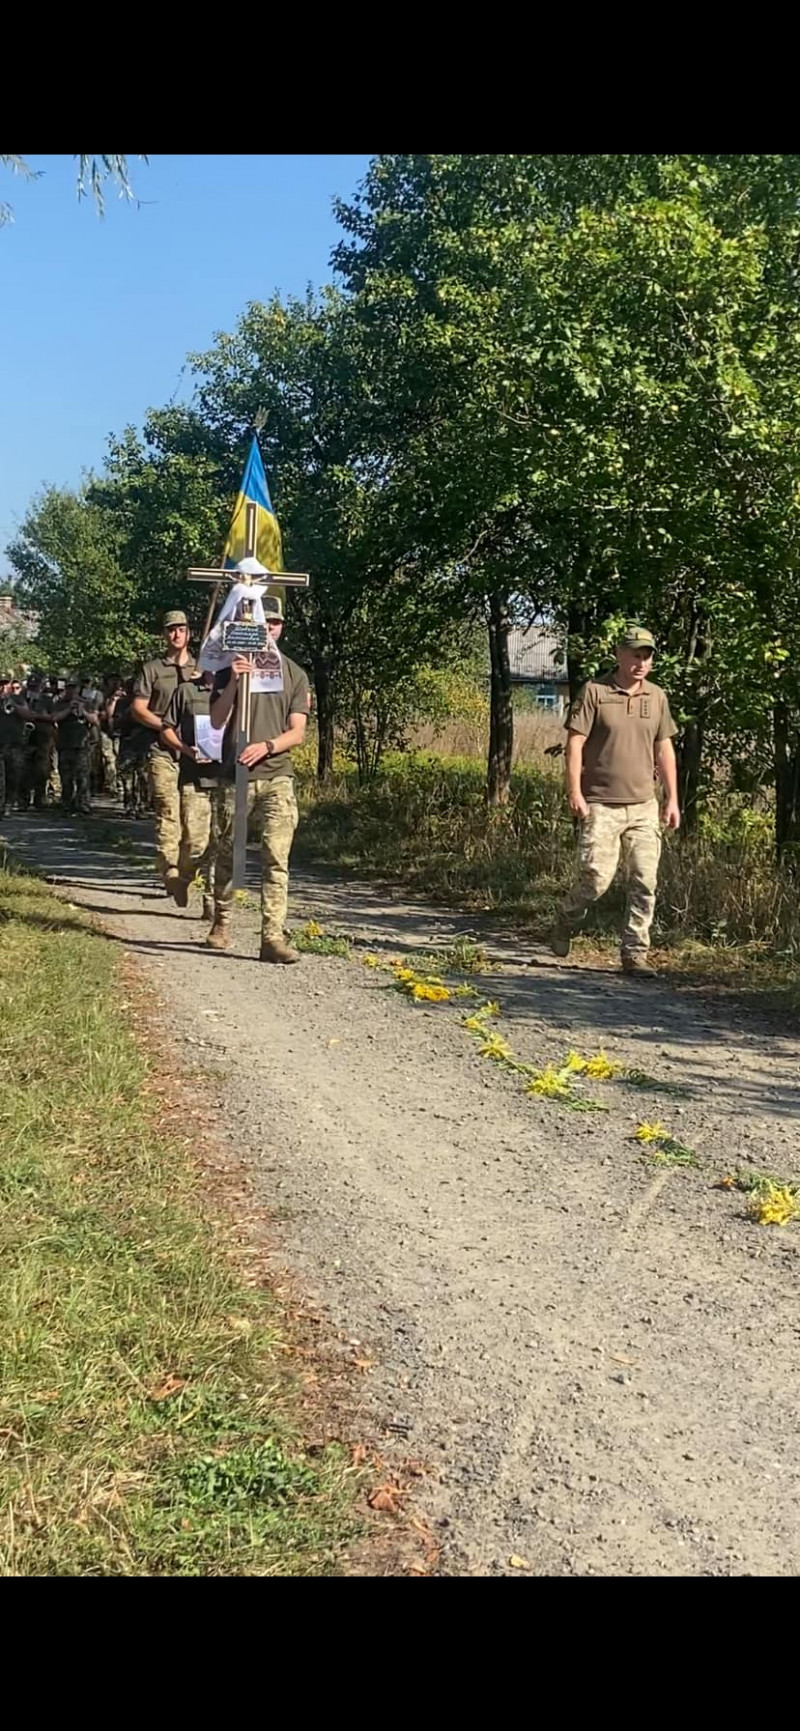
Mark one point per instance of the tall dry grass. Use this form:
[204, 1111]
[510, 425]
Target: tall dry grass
[534, 731]
[424, 821]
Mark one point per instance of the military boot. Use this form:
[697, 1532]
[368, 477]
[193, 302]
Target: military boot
[219, 937]
[171, 881]
[276, 950]
[180, 893]
[560, 938]
[636, 962]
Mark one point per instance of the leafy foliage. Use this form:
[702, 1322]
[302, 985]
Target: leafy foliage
[544, 386]
[94, 173]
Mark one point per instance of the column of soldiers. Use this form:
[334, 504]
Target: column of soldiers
[194, 798]
[63, 740]
[619, 756]
[138, 740]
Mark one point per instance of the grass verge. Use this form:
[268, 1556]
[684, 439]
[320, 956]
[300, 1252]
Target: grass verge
[147, 1414]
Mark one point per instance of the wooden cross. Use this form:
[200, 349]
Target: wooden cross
[289, 579]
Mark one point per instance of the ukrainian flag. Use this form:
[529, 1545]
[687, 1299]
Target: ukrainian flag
[254, 526]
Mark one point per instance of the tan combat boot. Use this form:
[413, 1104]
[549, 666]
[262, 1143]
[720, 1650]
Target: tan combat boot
[180, 893]
[276, 950]
[636, 962]
[560, 938]
[171, 882]
[219, 937]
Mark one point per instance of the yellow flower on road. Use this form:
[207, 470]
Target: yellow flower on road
[599, 1067]
[650, 1133]
[551, 1084]
[774, 1205]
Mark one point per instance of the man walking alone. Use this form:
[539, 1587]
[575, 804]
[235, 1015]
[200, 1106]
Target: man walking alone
[154, 688]
[620, 735]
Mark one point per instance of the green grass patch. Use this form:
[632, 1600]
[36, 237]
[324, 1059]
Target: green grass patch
[313, 940]
[147, 1403]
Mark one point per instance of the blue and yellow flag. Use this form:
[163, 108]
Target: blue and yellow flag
[254, 526]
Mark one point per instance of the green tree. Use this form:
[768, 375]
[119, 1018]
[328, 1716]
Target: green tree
[67, 572]
[582, 370]
[369, 615]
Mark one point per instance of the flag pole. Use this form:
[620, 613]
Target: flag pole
[242, 784]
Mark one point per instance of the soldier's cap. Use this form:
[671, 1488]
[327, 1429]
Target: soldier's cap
[176, 617]
[635, 636]
[273, 607]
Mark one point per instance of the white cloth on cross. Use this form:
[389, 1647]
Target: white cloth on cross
[267, 664]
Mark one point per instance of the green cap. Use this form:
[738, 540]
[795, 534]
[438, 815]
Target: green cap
[635, 636]
[176, 617]
[273, 607]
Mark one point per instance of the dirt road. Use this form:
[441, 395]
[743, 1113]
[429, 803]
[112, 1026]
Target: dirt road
[597, 1359]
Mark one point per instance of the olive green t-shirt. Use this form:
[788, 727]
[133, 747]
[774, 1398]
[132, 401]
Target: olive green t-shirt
[13, 727]
[269, 716]
[157, 681]
[191, 699]
[621, 733]
[74, 729]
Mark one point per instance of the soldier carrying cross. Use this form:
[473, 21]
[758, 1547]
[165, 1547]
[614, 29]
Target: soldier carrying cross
[277, 722]
[258, 711]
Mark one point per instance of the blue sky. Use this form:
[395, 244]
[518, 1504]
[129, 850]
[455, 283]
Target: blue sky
[96, 318]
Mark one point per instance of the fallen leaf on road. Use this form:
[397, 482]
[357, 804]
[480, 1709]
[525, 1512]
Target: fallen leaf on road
[386, 1499]
[358, 1454]
[515, 1562]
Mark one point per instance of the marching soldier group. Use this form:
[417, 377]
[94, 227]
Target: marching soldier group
[619, 747]
[194, 797]
[49, 730]
[141, 737]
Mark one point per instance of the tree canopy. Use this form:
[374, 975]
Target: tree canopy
[542, 386]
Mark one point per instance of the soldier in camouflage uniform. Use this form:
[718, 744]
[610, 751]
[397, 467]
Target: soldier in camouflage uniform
[13, 734]
[132, 755]
[40, 744]
[277, 723]
[154, 688]
[112, 692]
[197, 778]
[620, 735]
[76, 722]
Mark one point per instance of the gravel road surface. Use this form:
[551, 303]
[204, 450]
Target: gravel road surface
[596, 1359]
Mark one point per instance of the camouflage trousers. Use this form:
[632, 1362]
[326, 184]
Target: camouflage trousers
[37, 771]
[75, 766]
[162, 775]
[631, 833]
[273, 808]
[12, 769]
[132, 778]
[198, 847]
[54, 777]
[108, 759]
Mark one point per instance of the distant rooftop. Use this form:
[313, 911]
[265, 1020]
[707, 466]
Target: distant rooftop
[13, 619]
[532, 653]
